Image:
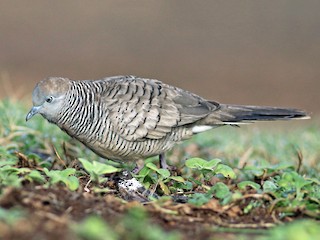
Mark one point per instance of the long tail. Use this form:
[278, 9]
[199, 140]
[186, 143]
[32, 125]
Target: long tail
[233, 114]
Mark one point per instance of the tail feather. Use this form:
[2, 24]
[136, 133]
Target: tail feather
[241, 113]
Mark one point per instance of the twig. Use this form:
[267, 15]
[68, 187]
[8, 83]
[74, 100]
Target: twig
[86, 186]
[58, 156]
[244, 158]
[300, 159]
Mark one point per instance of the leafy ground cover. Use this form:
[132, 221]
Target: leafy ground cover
[257, 181]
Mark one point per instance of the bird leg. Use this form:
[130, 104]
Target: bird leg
[138, 166]
[162, 161]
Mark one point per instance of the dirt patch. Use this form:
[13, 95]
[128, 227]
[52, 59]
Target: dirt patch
[51, 211]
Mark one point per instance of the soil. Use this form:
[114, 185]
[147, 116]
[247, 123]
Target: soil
[52, 210]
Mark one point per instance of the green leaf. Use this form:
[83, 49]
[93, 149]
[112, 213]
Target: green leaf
[88, 166]
[199, 199]
[253, 185]
[164, 188]
[95, 169]
[11, 180]
[212, 164]
[197, 163]
[281, 166]
[178, 179]
[101, 168]
[220, 190]
[269, 186]
[144, 172]
[293, 179]
[36, 176]
[225, 170]
[63, 176]
[152, 166]
[12, 170]
[7, 162]
[196, 181]
[165, 173]
[185, 185]
[72, 183]
[67, 172]
[256, 171]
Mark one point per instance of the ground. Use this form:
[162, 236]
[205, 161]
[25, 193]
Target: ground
[260, 184]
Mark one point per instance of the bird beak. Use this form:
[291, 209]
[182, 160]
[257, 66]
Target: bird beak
[33, 111]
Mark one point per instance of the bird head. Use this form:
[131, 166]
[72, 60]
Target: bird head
[48, 97]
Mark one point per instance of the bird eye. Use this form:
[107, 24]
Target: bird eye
[49, 99]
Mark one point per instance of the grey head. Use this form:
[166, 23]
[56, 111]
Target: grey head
[48, 97]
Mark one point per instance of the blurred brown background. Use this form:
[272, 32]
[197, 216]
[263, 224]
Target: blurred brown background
[245, 52]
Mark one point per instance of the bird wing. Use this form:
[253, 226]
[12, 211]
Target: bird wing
[142, 109]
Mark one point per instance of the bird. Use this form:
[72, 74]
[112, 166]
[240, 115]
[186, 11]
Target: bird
[129, 118]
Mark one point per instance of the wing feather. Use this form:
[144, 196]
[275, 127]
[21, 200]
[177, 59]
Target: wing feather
[142, 109]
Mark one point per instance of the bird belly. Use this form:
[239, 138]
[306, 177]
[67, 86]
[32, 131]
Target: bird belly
[129, 151]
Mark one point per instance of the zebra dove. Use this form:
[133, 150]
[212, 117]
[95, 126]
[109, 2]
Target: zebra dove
[130, 118]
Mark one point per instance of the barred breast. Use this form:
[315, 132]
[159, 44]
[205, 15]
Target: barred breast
[128, 118]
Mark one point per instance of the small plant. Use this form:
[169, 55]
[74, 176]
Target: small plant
[244, 184]
[65, 176]
[151, 174]
[210, 168]
[219, 190]
[96, 169]
[294, 192]
[267, 169]
[13, 176]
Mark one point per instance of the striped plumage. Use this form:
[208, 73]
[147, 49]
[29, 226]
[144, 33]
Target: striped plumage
[131, 118]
